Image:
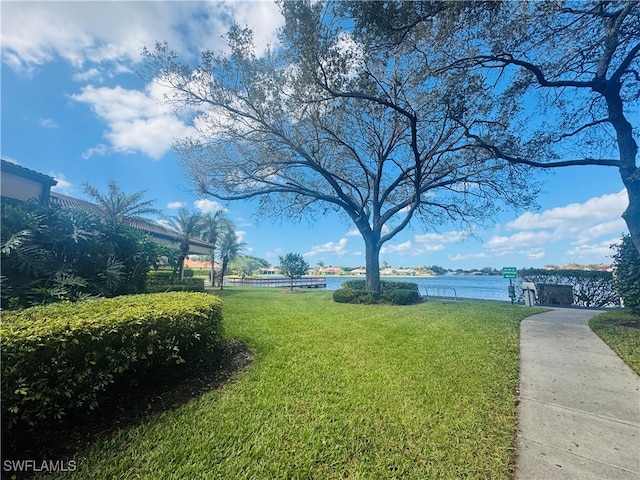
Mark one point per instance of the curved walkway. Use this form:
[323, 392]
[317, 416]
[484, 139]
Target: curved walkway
[579, 410]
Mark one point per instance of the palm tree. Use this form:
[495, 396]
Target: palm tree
[189, 225]
[230, 248]
[120, 208]
[214, 228]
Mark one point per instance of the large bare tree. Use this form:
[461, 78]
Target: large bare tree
[323, 124]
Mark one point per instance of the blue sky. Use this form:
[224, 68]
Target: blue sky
[75, 107]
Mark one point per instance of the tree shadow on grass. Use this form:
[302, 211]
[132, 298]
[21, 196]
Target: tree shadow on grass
[128, 403]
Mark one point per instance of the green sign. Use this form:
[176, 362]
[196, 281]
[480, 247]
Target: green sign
[509, 272]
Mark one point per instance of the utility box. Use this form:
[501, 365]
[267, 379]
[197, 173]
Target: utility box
[529, 292]
[549, 294]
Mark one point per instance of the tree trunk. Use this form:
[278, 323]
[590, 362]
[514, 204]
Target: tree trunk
[372, 256]
[213, 269]
[632, 214]
[628, 150]
[181, 267]
[223, 268]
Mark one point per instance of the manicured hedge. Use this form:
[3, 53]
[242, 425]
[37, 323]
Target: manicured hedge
[401, 296]
[386, 285]
[350, 295]
[58, 357]
[186, 285]
[167, 281]
[394, 293]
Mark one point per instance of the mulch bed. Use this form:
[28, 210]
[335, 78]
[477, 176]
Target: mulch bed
[125, 405]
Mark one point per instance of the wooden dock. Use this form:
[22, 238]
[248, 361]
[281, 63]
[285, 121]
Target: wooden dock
[282, 282]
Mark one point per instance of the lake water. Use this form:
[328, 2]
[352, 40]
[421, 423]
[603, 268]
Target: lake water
[489, 287]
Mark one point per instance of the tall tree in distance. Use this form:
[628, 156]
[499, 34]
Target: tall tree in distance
[230, 248]
[293, 265]
[215, 227]
[324, 125]
[189, 225]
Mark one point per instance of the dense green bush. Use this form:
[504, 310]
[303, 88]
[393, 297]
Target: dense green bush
[187, 273]
[350, 295]
[58, 357]
[51, 254]
[167, 281]
[627, 267]
[402, 293]
[161, 276]
[401, 296]
[360, 284]
[186, 285]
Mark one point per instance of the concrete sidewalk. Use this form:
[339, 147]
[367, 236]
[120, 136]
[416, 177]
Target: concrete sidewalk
[579, 411]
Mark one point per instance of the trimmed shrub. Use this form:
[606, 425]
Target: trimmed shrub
[187, 273]
[186, 285]
[349, 295]
[161, 276]
[167, 281]
[402, 295]
[57, 358]
[361, 284]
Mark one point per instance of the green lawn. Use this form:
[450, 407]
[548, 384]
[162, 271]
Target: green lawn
[341, 391]
[621, 331]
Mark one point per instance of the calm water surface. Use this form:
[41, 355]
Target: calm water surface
[465, 286]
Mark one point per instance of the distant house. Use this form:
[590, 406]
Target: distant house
[23, 184]
[330, 271]
[200, 264]
[269, 270]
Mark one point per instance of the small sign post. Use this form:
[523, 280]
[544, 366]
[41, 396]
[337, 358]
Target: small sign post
[510, 273]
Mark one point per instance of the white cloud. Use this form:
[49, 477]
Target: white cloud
[593, 232]
[594, 210]
[48, 123]
[99, 149]
[175, 205]
[521, 240]
[600, 249]
[138, 120]
[425, 243]
[338, 248]
[90, 74]
[63, 186]
[578, 224]
[535, 253]
[208, 206]
[404, 248]
[467, 256]
[34, 33]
